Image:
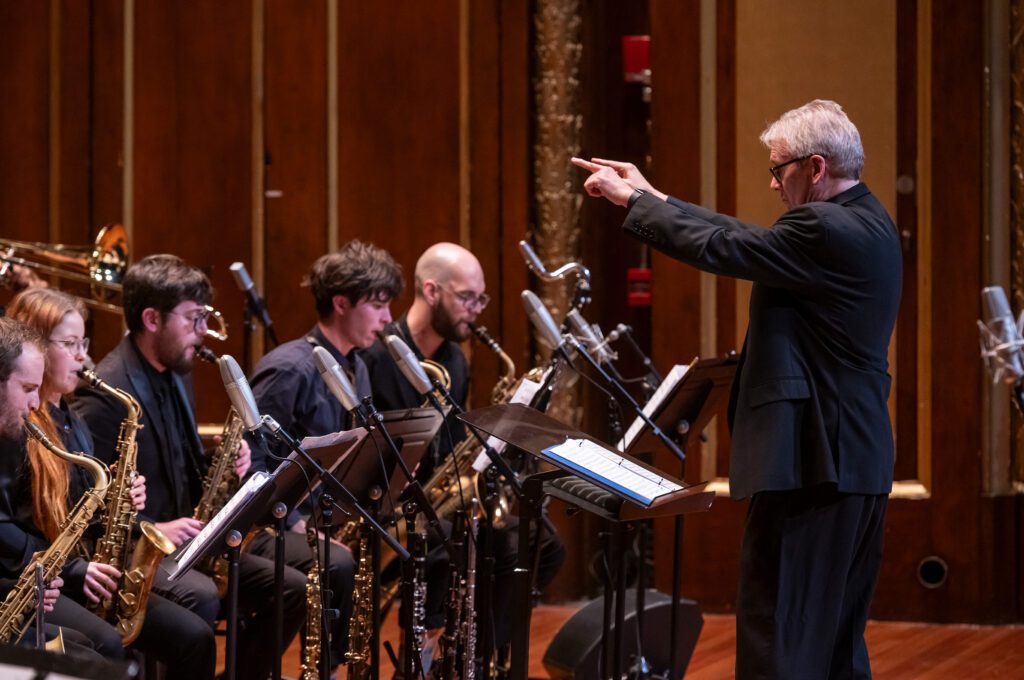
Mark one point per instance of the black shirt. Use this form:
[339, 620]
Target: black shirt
[391, 391]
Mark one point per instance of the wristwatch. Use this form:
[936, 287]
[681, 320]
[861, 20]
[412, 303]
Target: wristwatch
[634, 197]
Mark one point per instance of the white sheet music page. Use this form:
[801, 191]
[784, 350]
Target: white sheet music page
[659, 396]
[523, 395]
[251, 486]
[594, 461]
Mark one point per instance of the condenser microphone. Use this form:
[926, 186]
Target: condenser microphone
[256, 302]
[1000, 337]
[540, 317]
[335, 378]
[408, 364]
[590, 338]
[239, 392]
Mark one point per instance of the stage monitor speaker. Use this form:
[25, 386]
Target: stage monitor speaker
[25, 663]
[575, 651]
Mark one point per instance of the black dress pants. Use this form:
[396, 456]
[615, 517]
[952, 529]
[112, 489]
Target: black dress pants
[808, 568]
[103, 637]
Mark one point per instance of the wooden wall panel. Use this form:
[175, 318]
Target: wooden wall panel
[192, 182]
[399, 127]
[24, 119]
[296, 145]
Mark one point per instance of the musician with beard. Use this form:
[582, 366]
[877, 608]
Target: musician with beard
[165, 303]
[450, 295]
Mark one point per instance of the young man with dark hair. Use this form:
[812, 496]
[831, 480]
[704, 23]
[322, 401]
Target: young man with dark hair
[165, 304]
[352, 289]
[21, 374]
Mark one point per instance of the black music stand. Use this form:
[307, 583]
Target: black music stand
[377, 480]
[534, 432]
[252, 506]
[681, 408]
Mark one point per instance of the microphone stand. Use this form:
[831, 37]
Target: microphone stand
[623, 393]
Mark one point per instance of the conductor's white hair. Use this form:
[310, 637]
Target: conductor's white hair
[820, 127]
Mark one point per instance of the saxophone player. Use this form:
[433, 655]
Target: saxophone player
[352, 289]
[165, 309]
[21, 374]
[450, 293]
[50, 487]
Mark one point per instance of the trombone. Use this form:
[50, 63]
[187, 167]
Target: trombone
[101, 266]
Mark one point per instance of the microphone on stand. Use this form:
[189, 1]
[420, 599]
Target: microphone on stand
[590, 337]
[1001, 339]
[243, 401]
[541, 319]
[256, 302]
[410, 367]
[336, 380]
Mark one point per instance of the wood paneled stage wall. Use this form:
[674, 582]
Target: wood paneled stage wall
[269, 131]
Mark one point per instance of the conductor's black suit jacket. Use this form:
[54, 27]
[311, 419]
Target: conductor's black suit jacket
[808, 405]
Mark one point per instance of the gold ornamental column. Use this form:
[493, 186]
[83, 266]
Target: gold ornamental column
[558, 125]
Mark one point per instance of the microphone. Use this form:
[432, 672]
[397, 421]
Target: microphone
[541, 319]
[337, 382]
[256, 302]
[239, 392]
[1001, 340]
[590, 337]
[408, 364]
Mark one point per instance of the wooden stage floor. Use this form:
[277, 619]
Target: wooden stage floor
[899, 651]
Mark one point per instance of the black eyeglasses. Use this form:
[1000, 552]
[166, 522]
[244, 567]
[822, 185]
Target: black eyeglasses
[468, 300]
[198, 317]
[776, 170]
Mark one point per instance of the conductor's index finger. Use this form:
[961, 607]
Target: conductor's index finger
[617, 165]
[586, 165]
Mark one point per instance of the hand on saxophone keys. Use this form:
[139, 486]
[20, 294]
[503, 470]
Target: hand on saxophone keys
[243, 460]
[180, 530]
[138, 492]
[51, 593]
[100, 582]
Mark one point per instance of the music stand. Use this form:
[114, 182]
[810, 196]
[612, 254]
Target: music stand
[681, 407]
[536, 433]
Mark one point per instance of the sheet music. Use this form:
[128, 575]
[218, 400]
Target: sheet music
[659, 396]
[632, 480]
[248, 490]
[331, 439]
[523, 395]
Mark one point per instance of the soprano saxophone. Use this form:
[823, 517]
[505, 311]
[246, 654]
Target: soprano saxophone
[18, 609]
[360, 627]
[128, 609]
[314, 612]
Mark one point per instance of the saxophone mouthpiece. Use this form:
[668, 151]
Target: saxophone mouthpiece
[206, 354]
[485, 337]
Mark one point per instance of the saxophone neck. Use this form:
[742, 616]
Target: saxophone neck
[97, 469]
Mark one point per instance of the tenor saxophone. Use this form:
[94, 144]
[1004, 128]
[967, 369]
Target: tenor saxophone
[18, 609]
[128, 609]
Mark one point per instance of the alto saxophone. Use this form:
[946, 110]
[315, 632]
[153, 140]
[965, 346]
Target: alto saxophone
[314, 612]
[18, 609]
[129, 608]
[360, 630]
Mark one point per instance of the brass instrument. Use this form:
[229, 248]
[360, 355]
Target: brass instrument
[101, 266]
[360, 627]
[18, 609]
[113, 546]
[436, 372]
[314, 613]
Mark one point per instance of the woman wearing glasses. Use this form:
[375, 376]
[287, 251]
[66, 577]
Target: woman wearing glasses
[48, 487]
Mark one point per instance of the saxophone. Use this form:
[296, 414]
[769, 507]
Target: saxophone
[18, 609]
[314, 613]
[129, 607]
[357, 656]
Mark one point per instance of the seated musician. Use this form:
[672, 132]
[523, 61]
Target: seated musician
[352, 289]
[449, 296]
[164, 308]
[21, 374]
[50, 487]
